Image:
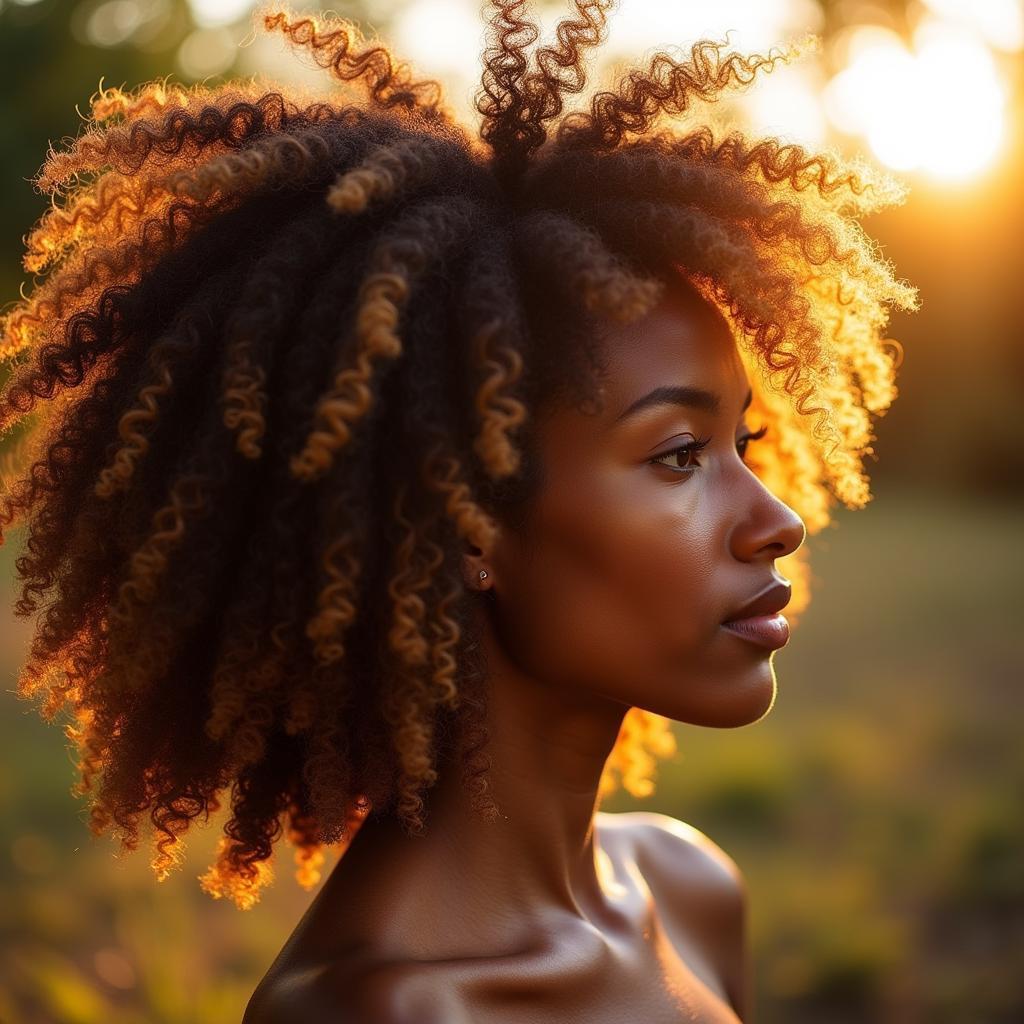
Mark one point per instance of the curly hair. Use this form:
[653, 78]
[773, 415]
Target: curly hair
[296, 351]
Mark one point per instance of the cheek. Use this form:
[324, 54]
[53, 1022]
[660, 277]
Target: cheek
[616, 588]
[672, 558]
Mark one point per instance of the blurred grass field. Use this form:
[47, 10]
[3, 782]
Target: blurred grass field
[876, 811]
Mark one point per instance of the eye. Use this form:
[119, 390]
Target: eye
[741, 444]
[684, 451]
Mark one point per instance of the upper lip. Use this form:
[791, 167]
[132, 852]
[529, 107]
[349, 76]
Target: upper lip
[770, 600]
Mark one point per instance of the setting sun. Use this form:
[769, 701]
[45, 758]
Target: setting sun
[914, 112]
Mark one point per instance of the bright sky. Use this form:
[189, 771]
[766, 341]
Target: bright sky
[898, 98]
[635, 28]
[894, 96]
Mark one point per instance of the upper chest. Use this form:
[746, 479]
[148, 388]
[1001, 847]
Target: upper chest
[581, 975]
[652, 967]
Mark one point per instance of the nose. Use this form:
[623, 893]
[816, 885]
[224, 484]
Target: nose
[770, 528]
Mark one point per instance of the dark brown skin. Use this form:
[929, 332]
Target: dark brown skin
[557, 912]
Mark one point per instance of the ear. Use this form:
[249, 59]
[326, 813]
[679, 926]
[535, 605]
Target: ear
[475, 561]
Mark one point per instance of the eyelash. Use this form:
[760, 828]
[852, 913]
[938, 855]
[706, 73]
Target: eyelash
[695, 446]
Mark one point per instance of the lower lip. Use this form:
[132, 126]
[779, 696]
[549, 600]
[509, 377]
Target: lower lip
[768, 631]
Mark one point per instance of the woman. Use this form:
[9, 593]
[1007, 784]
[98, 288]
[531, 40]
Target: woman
[397, 484]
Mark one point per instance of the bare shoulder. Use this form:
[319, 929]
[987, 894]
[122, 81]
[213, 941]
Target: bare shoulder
[684, 851]
[341, 994]
[695, 881]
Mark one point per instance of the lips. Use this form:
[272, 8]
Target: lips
[768, 602]
[759, 621]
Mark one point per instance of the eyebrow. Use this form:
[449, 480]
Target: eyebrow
[691, 397]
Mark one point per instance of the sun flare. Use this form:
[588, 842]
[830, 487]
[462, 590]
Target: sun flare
[908, 106]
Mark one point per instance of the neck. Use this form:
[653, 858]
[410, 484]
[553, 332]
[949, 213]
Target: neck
[547, 749]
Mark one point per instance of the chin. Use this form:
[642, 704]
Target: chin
[733, 717]
[753, 702]
[733, 702]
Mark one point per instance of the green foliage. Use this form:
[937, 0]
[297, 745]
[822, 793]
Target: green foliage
[61, 988]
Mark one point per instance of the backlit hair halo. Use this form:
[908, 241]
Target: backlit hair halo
[294, 350]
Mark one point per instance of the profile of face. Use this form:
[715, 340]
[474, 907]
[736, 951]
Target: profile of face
[637, 552]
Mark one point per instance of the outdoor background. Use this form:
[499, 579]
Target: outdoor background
[876, 811]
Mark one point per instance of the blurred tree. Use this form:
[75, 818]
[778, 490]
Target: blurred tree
[47, 66]
[53, 54]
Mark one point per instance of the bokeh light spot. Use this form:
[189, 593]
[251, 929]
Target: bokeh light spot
[914, 112]
[214, 13]
[206, 52]
[999, 22]
[113, 22]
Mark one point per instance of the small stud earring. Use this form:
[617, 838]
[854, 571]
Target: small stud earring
[483, 574]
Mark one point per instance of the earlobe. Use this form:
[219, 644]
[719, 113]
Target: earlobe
[474, 575]
[478, 562]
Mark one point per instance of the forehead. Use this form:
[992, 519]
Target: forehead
[684, 339]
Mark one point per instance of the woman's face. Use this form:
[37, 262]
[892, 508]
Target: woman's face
[635, 554]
